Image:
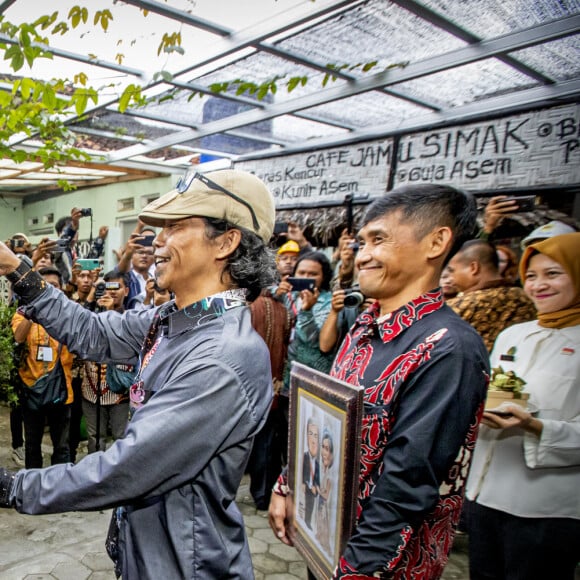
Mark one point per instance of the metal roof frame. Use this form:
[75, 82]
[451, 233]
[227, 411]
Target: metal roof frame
[233, 47]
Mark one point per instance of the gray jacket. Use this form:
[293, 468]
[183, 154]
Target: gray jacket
[179, 466]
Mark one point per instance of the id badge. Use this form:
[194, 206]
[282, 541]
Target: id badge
[44, 354]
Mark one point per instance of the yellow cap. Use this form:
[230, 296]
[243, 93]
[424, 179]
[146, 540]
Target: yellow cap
[289, 246]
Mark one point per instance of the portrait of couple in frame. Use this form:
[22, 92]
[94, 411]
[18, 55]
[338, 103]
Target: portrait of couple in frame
[325, 418]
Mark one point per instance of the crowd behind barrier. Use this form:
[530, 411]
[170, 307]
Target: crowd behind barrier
[521, 303]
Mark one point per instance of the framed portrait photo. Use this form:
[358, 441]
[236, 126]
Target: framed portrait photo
[323, 465]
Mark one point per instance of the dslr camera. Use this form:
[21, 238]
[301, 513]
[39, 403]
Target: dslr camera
[17, 243]
[353, 297]
[100, 289]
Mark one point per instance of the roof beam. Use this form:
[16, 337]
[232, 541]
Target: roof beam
[78, 57]
[459, 57]
[512, 103]
[445, 24]
[5, 5]
[277, 24]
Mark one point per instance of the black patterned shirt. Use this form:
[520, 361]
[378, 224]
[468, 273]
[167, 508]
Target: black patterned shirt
[425, 373]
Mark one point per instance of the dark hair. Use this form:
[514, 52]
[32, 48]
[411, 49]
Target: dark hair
[252, 265]
[480, 251]
[327, 435]
[324, 262]
[427, 207]
[51, 271]
[62, 223]
[116, 275]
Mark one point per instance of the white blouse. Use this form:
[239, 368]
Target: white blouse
[515, 471]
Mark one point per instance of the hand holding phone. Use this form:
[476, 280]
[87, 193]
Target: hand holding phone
[523, 203]
[146, 240]
[88, 263]
[299, 284]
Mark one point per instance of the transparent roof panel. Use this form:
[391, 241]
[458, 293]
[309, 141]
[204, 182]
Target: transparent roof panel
[260, 67]
[285, 39]
[466, 84]
[376, 30]
[293, 129]
[368, 109]
[559, 59]
[488, 18]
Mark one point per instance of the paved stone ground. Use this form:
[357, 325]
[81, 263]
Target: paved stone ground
[71, 546]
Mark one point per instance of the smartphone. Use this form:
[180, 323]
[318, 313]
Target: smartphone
[146, 241]
[112, 285]
[88, 263]
[62, 244]
[524, 202]
[300, 284]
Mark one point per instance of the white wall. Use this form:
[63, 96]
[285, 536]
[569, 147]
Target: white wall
[104, 201]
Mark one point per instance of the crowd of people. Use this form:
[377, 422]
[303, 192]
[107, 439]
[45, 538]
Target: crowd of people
[178, 361]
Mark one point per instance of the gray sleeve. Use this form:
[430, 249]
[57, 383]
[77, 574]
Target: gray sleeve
[105, 337]
[169, 441]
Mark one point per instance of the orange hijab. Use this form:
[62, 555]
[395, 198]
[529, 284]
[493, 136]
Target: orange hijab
[564, 249]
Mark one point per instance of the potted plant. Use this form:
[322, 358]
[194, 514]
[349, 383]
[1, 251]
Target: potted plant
[505, 387]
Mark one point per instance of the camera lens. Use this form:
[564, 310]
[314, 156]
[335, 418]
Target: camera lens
[100, 290]
[353, 299]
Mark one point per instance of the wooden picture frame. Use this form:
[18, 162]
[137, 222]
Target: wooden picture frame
[323, 465]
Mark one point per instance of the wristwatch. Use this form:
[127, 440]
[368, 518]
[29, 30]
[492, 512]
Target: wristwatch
[24, 267]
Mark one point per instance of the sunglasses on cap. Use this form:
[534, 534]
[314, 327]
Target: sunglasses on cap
[185, 182]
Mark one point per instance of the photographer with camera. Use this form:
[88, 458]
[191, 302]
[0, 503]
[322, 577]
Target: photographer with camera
[66, 229]
[20, 245]
[137, 261]
[105, 387]
[310, 300]
[345, 306]
[154, 295]
[81, 289]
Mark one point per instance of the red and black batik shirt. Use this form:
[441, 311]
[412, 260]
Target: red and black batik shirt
[425, 374]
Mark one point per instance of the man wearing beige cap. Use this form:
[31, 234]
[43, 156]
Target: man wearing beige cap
[201, 394]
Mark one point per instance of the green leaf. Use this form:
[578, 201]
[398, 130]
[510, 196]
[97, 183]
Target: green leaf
[293, 83]
[49, 98]
[262, 91]
[61, 27]
[369, 65]
[5, 99]
[24, 37]
[80, 101]
[27, 88]
[17, 61]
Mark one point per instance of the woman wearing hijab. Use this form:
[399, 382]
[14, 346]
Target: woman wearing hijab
[525, 475]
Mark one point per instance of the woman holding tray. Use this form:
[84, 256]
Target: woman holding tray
[524, 522]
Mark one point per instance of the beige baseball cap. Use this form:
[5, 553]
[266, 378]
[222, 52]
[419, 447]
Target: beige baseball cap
[236, 196]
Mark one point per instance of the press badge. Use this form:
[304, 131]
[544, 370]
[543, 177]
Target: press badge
[44, 354]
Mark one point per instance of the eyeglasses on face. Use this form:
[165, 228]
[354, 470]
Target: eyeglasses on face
[185, 182]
